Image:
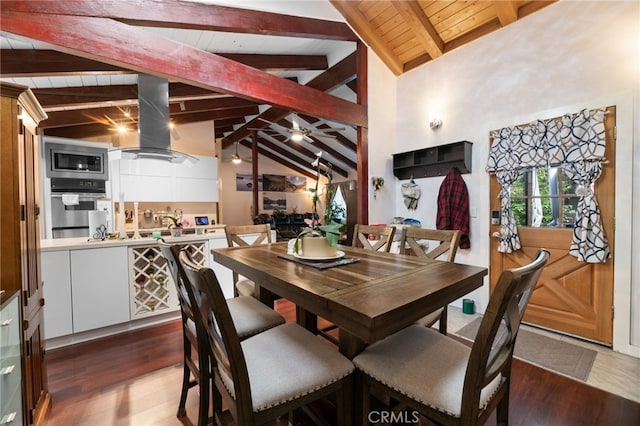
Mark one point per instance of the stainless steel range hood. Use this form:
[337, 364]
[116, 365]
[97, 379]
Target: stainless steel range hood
[153, 123]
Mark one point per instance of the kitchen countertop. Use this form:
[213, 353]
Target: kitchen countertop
[84, 243]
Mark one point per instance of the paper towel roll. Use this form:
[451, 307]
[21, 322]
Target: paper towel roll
[97, 224]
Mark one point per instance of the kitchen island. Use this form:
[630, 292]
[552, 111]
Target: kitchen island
[98, 288]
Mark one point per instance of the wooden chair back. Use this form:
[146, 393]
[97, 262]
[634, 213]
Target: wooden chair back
[170, 252]
[223, 339]
[237, 236]
[382, 241]
[448, 242]
[492, 350]
[196, 365]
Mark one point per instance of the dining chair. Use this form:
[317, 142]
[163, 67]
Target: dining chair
[443, 379]
[251, 316]
[382, 237]
[412, 241]
[272, 373]
[238, 236]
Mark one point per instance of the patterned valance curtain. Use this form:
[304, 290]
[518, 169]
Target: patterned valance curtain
[574, 142]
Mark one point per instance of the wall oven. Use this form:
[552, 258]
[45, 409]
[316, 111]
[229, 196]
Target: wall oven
[76, 161]
[71, 200]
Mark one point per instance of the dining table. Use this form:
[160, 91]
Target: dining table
[368, 295]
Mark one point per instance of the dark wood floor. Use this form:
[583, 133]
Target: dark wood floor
[134, 379]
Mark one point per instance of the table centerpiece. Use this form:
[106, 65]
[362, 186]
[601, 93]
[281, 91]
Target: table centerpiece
[320, 239]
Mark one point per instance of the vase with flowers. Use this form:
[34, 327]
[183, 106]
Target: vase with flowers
[319, 240]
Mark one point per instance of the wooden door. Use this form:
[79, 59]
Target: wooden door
[571, 297]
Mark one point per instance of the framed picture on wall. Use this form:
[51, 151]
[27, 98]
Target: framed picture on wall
[275, 183]
[296, 184]
[244, 182]
[274, 201]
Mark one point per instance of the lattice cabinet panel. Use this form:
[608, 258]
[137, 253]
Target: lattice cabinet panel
[152, 289]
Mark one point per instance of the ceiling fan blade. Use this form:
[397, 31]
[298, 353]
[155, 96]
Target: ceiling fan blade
[321, 135]
[307, 138]
[277, 127]
[266, 130]
[329, 129]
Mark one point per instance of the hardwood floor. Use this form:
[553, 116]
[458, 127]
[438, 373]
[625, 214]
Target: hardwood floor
[134, 379]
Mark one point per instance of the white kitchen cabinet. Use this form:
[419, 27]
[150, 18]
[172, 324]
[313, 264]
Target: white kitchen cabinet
[158, 180]
[100, 287]
[56, 276]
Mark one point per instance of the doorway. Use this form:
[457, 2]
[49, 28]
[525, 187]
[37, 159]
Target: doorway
[571, 297]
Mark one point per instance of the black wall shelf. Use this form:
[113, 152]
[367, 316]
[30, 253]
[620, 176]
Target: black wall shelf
[433, 161]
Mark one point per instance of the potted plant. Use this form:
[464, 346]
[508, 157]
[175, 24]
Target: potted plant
[175, 226]
[323, 234]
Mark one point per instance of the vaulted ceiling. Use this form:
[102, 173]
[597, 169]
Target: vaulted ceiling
[240, 68]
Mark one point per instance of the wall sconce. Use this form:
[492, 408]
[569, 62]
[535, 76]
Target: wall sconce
[378, 183]
[435, 123]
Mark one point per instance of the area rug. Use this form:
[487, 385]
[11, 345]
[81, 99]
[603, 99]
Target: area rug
[546, 352]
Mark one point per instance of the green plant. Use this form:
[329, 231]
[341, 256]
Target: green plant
[331, 229]
[176, 223]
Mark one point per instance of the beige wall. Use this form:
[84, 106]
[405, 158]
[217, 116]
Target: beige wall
[237, 205]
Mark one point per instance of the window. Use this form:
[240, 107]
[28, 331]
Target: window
[548, 201]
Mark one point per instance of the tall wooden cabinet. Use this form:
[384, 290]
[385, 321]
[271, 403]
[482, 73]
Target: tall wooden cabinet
[20, 114]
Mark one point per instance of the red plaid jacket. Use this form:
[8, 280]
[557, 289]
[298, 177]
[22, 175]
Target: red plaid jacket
[453, 206]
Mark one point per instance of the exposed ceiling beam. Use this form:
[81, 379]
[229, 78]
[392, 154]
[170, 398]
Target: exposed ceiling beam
[342, 72]
[507, 11]
[119, 115]
[37, 63]
[420, 26]
[283, 161]
[83, 96]
[190, 15]
[319, 145]
[87, 37]
[355, 18]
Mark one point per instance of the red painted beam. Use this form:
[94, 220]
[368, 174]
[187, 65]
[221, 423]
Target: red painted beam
[36, 63]
[345, 70]
[189, 15]
[122, 45]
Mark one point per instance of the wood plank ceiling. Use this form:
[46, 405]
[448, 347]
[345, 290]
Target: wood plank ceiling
[110, 42]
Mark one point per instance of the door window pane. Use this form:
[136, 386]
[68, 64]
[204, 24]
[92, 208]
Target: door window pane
[544, 197]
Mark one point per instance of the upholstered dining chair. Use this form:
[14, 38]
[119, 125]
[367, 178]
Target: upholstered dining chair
[442, 378]
[445, 248]
[272, 373]
[238, 236]
[383, 237]
[251, 317]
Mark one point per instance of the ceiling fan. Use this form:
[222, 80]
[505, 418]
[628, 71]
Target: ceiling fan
[298, 133]
[236, 158]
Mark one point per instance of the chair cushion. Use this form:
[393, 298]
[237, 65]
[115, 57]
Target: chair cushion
[287, 362]
[431, 319]
[250, 316]
[245, 287]
[424, 365]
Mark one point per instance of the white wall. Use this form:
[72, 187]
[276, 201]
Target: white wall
[237, 205]
[382, 127]
[565, 57]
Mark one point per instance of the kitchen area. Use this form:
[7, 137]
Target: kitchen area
[103, 210]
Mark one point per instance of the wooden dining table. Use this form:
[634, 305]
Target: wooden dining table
[376, 295]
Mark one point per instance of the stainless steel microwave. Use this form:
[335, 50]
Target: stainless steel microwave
[76, 161]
